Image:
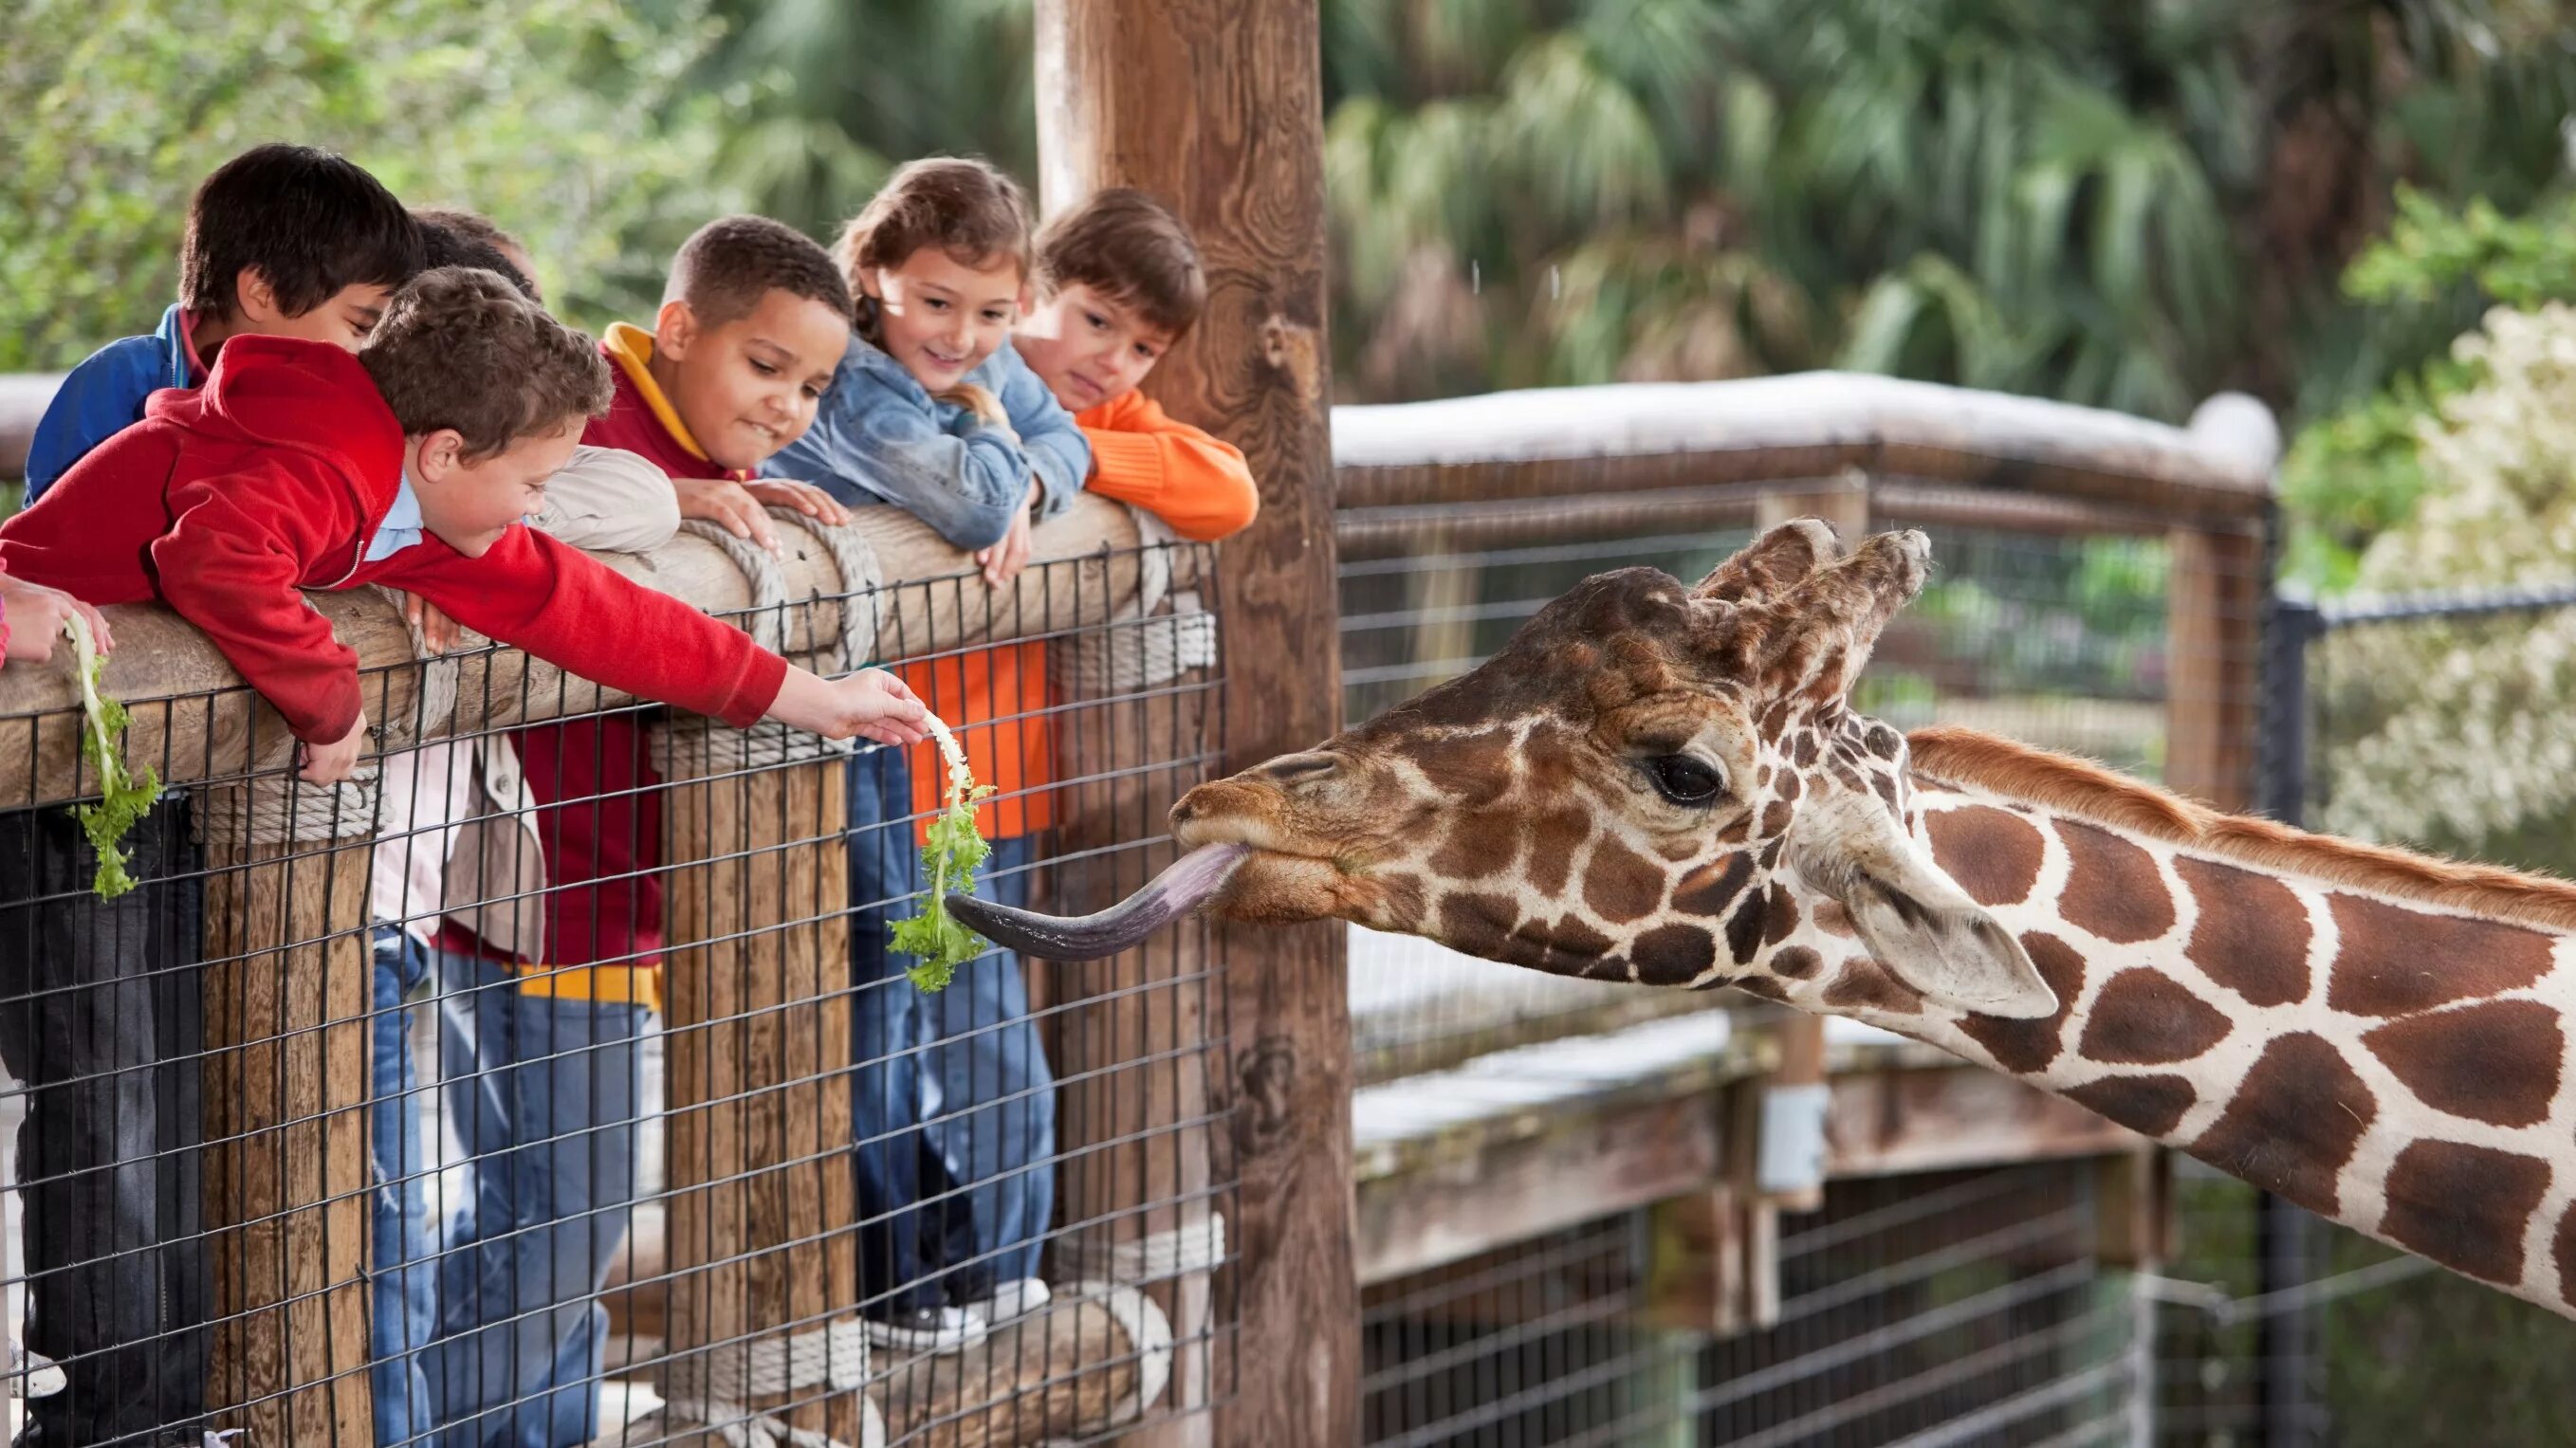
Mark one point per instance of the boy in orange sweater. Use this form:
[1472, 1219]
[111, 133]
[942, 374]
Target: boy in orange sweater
[1122, 284]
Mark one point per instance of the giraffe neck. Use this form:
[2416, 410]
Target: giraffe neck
[2389, 1057]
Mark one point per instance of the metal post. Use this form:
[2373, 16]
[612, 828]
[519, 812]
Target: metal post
[2285, 1336]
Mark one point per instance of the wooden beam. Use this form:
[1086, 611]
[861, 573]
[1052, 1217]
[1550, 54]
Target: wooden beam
[1216, 106]
[2214, 621]
[1897, 1122]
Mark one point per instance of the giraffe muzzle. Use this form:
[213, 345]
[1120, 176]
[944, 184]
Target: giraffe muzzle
[1177, 891]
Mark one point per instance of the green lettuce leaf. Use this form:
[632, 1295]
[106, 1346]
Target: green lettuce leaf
[124, 796]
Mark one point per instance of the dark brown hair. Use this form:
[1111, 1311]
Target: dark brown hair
[1131, 249]
[963, 205]
[461, 238]
[729, 264]
[460, 348]
[308, 221]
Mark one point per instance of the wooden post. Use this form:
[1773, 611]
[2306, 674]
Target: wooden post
[2214, 614]
[762, 1317]
[1215, 106]
[285, 1082]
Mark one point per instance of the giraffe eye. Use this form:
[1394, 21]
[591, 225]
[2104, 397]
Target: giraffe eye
[1683, 779]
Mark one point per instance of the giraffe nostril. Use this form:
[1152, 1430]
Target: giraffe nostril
[1298, 768]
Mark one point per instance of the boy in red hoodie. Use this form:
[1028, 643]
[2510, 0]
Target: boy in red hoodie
[411, 464]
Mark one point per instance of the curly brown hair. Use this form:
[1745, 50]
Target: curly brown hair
[460, 348]
[1130, 248]
[964, 205]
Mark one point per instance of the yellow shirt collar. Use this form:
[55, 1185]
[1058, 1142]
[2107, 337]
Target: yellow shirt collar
[632, 347]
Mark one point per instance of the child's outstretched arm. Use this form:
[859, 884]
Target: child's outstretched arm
[233, 572]
[535, 593]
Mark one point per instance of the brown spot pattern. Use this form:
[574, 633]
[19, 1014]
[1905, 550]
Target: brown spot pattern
[1992, 853]
[1553, 837]
[2252, 934]
[2150, 1104]
[2145, 1019]
[2464, 1206]
[2564, 1247]
[1621, 885]
[1477, 766]
[1565, 946]
[2112, 887]
[2293, 1123]
[2023, 1047]
[2392, 961]
[1789, 787]
[1481, 845]
[1708, 890]
[1866, 984]
[1779, 916]
[1478, 922]
[1744, 928]
[1760, 985]
[2498, 1062]
[1833, 919]
[1775, 817]
[1673, 954]
[1798, 962]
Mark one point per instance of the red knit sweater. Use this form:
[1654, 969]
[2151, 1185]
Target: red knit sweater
[225, 501]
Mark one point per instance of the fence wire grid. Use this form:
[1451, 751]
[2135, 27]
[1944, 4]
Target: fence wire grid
[556, 1084]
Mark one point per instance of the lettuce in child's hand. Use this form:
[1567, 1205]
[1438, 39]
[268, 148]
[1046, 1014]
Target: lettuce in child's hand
[950, 860]
[124, 797]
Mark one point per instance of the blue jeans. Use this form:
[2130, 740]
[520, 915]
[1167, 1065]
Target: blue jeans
[404, 1236]
[953, 1102]
[542, 1090]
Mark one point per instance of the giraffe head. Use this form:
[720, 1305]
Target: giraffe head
[1651, 782]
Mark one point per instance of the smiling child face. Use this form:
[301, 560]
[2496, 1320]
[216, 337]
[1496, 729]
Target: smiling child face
[941, 318]
[747, 387]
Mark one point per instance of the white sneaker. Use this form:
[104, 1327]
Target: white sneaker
[1012, 1300]
[937, 1330]
[34, 1375]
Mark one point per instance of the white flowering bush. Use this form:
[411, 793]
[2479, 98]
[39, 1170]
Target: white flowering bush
[2462, 736]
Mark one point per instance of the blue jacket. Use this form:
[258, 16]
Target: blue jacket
[879, 438]
[104, 396]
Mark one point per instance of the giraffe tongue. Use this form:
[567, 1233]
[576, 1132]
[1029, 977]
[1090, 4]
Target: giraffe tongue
[1175, 892]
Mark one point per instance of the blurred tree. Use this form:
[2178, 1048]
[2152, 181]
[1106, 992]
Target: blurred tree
[564, 120]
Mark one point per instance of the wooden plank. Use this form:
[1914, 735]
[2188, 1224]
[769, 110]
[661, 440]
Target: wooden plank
[2214, 618]
[286, 1174]
[1896, 1122]
[1216, 106]
[1586, 1167]
[763, 1209]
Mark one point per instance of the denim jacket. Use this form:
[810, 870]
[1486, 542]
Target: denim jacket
[880, 438]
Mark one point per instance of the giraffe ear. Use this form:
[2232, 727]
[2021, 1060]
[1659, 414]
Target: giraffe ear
[1773, 564]
[1929, 934]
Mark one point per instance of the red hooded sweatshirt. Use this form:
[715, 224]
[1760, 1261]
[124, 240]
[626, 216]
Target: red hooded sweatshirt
[272, 478]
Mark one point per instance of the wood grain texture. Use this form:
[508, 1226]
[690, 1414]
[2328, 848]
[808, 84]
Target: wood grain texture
[1215, 106]
[2214, 624]
[286, 1174]
[763, 1207]
[1065, 1373]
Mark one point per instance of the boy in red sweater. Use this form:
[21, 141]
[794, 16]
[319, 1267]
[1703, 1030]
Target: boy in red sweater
[1122, 283]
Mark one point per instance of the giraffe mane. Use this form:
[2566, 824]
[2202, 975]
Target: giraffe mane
[2088, 791]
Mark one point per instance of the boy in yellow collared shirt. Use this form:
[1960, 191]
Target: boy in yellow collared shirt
[540, 1033]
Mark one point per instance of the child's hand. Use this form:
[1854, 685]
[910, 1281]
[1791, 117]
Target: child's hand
[331, 763]
[438, 632]
[805, 498]
[724, 501]
[871, 704]
[36, 614]
[1003, 561]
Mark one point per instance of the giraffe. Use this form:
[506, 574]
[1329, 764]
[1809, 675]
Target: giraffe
[1665, 785]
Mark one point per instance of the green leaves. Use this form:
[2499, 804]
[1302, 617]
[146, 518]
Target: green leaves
[125, 797]
[954, 851]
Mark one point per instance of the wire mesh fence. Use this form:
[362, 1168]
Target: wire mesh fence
[555, 1083]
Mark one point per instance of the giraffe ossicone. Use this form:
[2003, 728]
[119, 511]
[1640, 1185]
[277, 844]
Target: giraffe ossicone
[1666, 785]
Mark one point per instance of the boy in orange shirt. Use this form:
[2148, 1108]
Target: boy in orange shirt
[1122, 283]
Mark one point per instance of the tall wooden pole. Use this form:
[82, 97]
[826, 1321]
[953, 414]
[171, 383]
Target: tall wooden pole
[1216, 107]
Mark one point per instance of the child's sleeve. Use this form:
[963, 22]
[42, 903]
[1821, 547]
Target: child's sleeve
[611, 501]
[967, 484]
[101, 397]
[1059, 458]
[535, 593]
[234, 575]
[1197, 483]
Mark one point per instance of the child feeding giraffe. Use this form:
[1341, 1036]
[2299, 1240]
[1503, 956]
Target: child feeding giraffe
[1664, 784]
